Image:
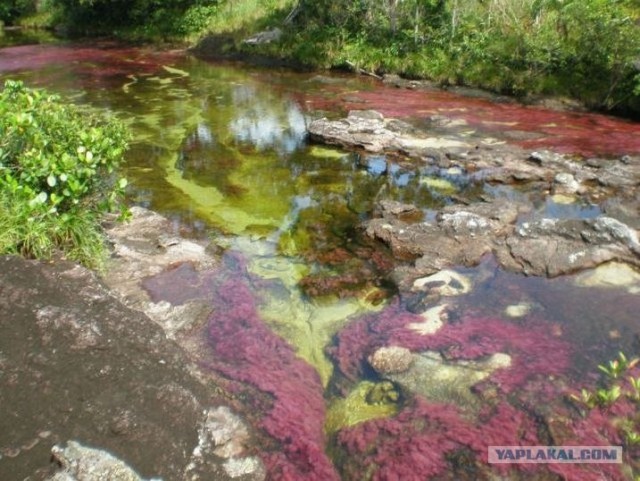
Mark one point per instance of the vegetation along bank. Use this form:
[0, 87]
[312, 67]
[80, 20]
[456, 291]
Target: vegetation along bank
[587, 50]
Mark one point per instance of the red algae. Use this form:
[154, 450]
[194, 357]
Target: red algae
[246, 350]
[420, 442]
[427, 441]
[96, 63]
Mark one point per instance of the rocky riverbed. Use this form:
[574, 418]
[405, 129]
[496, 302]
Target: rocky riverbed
[467, 230]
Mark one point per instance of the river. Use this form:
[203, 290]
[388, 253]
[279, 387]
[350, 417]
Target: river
[221, 150]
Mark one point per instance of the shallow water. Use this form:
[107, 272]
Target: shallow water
[221, 150]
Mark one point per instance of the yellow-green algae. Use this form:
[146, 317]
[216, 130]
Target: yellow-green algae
[326, 152]
[441, 186]
[368, 400]
[308, 326]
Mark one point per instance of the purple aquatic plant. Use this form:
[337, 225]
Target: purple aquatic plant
[247, 351]
[434, 441]
[422, 441]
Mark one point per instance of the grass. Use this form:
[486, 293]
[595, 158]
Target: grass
[39, 235]
[247, 15]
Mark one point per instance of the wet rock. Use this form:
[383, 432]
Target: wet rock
[223, 434]
[369, 130]
[518, 310]
[367, 401]
[391, 360]
[460, 235]
[552, 247]
[445, 283]
[394, 209]
[80, 463]
[79, 365]
[565, 183]
[148, 258]
[434, 319]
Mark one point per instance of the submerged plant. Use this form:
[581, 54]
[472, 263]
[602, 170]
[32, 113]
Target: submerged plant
[615, 368]
[606, 397]
[634, 392]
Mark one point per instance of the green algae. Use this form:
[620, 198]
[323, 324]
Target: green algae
[309, 326]
[439, 185]
[175, 71]
[368, 400]
[326, 152]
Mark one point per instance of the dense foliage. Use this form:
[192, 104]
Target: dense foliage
[141, 18]
[56, 175]
[10, 10]
[582, 48]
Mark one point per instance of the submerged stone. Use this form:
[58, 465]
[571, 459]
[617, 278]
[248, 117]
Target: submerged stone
[434, 319]
[391, 360]
[441, 186]
[612, 274]
[445, 283]
[326, 153]
[439, 380]
[518, 310]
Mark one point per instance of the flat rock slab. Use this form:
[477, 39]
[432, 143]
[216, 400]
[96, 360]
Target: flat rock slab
[76, 364]
[369, 130]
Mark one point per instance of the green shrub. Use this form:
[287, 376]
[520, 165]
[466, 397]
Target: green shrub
[56, 175]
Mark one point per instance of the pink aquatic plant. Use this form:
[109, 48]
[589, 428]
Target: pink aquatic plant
[426, 440]
[245, 350]
[434, 441]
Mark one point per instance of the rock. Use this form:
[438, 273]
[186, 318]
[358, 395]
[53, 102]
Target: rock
[367, 401]
[434, 319]
[369, 130]
[391, 360]
[461, 235]
[518, 310]
[80, 463]
[552, 247]
[79, 365]
[147, 258]
[565, 183]
[444, 283]
[394, 209]
[266, 36]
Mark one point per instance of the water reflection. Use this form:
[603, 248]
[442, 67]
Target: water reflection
[258, 123]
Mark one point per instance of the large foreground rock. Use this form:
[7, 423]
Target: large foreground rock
[76, 365]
